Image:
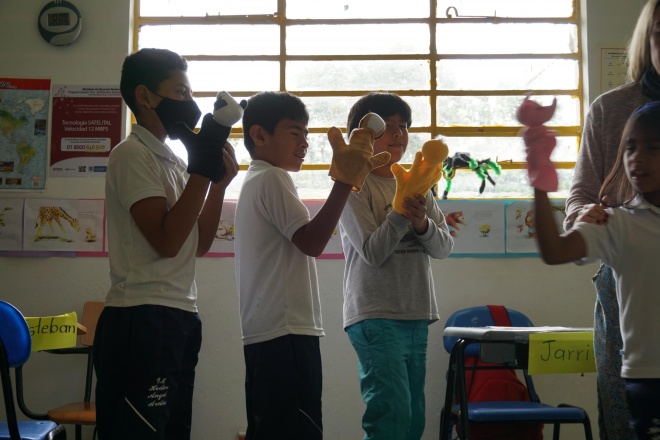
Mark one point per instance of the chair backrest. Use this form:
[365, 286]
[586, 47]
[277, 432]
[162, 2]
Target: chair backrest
[90, 316]
[15, 350]
[479, 316]
[15, 335]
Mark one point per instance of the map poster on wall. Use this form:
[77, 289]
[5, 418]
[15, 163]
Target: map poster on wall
[23, 133]
[86, 125]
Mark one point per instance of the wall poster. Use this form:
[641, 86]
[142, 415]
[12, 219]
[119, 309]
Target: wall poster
[86, 126]
[23, 133]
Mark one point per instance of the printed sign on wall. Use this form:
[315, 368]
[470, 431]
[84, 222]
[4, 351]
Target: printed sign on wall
[86, 125]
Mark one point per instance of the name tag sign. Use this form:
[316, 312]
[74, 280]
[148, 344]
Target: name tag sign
[51, 332]
[561, 352]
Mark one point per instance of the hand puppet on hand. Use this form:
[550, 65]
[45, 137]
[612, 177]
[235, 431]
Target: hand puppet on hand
[425, 172]
[539, 143]
[205, 148]
[352, 163]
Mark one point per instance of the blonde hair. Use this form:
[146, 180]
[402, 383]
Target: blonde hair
[639, 51]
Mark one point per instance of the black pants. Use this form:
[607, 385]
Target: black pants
[283, 385]
[643, 397]
[145, 358]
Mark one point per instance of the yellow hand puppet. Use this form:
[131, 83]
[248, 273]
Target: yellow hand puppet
[425, 172]
[352, 163]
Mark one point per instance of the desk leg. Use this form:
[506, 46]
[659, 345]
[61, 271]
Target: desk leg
[445, 415]
[460, 347]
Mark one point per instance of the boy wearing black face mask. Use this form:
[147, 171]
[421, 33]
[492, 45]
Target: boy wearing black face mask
[159, 219]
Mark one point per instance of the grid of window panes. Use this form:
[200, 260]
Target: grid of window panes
[463, 66]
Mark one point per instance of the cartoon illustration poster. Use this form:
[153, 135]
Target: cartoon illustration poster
[520, 227]
[63, 225]
[11, 224]
[86, 126]
[23, 133]
[477, 226]
[223, 244]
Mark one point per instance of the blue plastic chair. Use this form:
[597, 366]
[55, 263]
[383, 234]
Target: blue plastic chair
[15, 350]
[499, 411]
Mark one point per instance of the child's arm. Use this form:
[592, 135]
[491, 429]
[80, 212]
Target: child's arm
[437, 240]
[352, 163]
[373, 240]
[167, 230]
[313, 237]
[209, 159]
[415, 211]
[555, 248]
[209, 218]
[539, 143]
[593, 213]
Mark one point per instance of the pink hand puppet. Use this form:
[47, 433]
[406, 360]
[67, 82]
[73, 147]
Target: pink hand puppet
[539, 143]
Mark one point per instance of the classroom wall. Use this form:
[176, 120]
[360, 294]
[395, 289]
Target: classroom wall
[609, 23]
[561, 296]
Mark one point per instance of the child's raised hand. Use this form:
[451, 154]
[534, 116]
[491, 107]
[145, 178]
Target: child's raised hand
[415, 211]
[539, 143]
[425, 171]
[540, 169]
[593, 213]
[230, 164]
[352, 162]
[205, 149]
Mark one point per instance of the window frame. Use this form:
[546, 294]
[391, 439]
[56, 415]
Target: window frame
[432, 57]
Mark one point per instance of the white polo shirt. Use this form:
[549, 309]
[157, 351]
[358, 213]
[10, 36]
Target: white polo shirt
[141, 167]
[277, 283]
[629, 243]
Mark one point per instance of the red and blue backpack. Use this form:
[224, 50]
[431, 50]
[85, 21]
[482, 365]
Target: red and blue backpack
[497, 385]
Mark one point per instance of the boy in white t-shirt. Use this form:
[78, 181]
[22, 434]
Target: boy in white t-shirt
[159, 219]
[276, 242]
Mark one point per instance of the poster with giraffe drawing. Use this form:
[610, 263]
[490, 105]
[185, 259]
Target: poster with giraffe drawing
[63, 225]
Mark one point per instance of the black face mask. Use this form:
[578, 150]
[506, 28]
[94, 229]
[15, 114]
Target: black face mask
[171, 111]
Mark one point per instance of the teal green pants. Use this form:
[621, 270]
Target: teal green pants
[392, 370]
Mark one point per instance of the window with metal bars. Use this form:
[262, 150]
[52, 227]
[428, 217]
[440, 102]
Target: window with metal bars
[462, 65]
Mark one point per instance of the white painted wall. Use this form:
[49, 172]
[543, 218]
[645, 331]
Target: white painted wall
[609, 24]
[41, 286]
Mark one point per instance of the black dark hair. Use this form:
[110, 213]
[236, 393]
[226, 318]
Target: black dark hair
[267, 109]
[617, 185]
[383, 104]
[148, 67]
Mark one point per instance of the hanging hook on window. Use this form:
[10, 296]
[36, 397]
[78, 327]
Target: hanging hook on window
[456, 15]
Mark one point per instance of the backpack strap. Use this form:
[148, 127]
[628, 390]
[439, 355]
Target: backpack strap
[500, 316]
